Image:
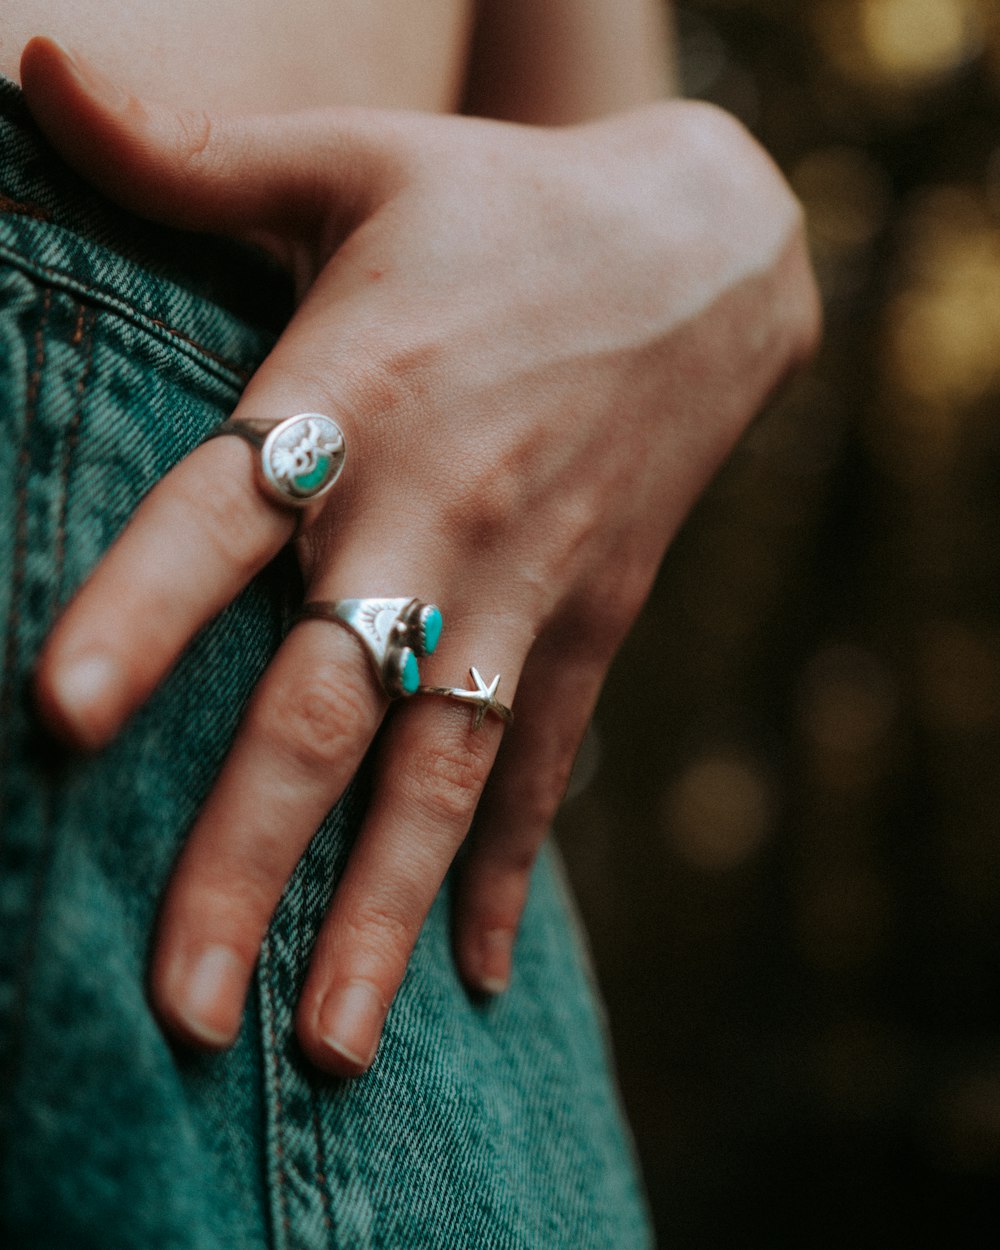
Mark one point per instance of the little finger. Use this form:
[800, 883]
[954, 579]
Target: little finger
[555, 702]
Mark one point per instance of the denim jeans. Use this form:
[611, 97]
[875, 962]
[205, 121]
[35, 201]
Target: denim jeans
[481, 1124]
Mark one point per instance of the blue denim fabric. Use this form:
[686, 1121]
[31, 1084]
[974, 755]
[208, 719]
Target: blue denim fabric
[480, 1124]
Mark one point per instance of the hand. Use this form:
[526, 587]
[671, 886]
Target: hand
[540, 344]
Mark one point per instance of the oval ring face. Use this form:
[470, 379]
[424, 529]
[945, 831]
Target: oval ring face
[302, 457]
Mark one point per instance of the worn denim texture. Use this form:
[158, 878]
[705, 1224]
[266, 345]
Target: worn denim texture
[481, 1124]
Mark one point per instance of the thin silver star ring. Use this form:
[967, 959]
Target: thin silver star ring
[482, 698]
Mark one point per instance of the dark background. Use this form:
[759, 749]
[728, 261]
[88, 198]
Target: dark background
[783, 827]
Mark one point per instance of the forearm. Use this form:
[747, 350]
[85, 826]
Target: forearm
[552, 62]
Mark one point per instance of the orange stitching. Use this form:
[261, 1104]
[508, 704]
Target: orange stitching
[279, 1147]
[78, 329]
[319, 1172]
[12, 648]
[98, 294]
[72, 437]
[221, 360]
[7, 205]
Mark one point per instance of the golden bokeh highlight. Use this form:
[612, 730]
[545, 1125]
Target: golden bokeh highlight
[719, 812]
[901, 46]
[942, 330]
[797, 807]
[916, 40]
[848, 706]
[845, 196]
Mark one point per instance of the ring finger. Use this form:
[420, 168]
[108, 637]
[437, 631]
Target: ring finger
[433, 763]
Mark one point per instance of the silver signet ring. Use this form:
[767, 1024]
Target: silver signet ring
[300, 457]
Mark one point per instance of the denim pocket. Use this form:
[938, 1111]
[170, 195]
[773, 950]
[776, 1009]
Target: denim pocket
[481, 1123]
[97, 402]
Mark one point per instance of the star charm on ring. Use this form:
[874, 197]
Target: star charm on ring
[483, 698]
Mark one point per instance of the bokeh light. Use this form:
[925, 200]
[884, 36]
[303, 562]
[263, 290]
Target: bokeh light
[789, 855]
[719, 811]
[943, 328]
[898, 45]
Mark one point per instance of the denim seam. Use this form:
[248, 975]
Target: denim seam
[22, 979]
[280, 1221]
[37, 872]
[19, 208]
[232, 374]
[83, 335]
[320, 1171]
[319, 1163]
[12, 649]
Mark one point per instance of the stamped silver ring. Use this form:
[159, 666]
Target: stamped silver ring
[482, 698]
[300, 457]
[393, 632]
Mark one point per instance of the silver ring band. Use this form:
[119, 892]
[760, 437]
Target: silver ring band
[300, 457]
[482, 698]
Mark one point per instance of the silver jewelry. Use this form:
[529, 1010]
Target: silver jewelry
[393, 632]
[483, 698]
[300, 457]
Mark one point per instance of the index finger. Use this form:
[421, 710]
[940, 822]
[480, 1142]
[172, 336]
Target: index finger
[193, 543]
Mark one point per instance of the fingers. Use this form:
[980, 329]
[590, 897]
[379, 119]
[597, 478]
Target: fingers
[206, 529]
[308, 725]
[196, 540]
[305, 733]
[280, 173]
[555, 703]
[432, 769]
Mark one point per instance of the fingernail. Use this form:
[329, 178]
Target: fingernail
[74, 60]
[350, 1021]
[81, 689]
[210, 995]
[495, 947]
[90, 77]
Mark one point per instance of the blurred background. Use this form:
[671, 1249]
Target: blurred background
[783, 829]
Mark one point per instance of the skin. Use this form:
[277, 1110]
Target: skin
[239, 56]
[535, 385]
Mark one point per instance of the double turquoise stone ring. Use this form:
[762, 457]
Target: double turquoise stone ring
[300, 457]
[395, 633]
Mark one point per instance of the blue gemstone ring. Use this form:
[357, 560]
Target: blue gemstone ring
[395, 633]
[300, 457]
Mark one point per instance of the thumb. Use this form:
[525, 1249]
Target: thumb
[277, 178]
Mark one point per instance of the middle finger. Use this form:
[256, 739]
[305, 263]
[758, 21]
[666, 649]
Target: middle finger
[308, 725]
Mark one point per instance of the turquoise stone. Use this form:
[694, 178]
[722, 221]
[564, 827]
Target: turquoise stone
[433, 623]
[306, 482]
[410, 676]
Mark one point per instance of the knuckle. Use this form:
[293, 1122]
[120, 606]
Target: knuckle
[525, 800]
[316, 722]
[490, 498]
[231, 516]
[549, 789]
[534, 803]
[446, 783]
[380, 938]
[517, 858]
[194, 133]
[483, 505]
[397, 376]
